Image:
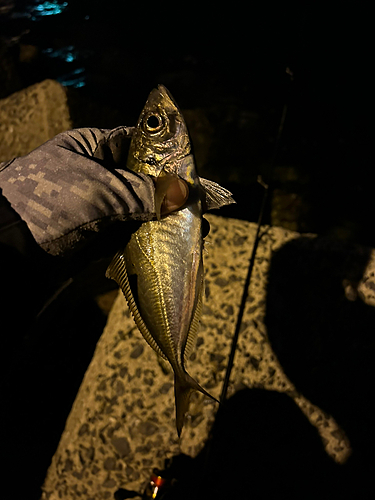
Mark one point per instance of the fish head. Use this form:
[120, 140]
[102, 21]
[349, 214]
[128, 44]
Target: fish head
[160, 143]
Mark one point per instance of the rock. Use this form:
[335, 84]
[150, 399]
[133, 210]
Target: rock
[145, 414]
[137, 351]
[32, 116]
[122, 446]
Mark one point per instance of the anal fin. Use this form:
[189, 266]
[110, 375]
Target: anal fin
[118, 272]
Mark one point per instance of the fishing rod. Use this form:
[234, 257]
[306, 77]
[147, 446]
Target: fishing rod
[228, 371]
[257, 239]
[265, 185]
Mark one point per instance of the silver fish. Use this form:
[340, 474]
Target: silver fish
[161, 269]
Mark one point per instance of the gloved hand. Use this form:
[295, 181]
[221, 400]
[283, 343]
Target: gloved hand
[76, 184]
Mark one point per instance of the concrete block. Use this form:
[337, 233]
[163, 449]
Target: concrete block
[122, 423]
[32, 116]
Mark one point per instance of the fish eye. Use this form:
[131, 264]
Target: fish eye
[153, 123]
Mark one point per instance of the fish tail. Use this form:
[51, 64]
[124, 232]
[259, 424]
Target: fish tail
[184, 385]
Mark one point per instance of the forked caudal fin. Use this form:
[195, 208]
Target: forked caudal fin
[184, 385]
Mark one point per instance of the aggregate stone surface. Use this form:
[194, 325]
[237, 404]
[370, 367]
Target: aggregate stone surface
[32, 116]
[122, 423]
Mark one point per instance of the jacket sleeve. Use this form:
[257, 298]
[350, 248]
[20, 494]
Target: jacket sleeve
[72, 186]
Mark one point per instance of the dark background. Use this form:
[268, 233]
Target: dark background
[226, 67]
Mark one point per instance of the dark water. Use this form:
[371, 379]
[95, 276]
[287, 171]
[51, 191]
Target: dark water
[231, 65]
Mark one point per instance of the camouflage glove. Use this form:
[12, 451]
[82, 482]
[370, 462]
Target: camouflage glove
[76, 184]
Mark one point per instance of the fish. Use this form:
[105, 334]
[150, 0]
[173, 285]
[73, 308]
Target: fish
[160, 271]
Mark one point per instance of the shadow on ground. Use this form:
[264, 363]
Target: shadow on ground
[44, 369]
[262, 446]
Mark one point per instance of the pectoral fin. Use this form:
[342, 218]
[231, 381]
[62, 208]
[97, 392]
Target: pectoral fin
[216, 195]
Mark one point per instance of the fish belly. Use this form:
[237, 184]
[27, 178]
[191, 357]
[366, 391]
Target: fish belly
[166, 258]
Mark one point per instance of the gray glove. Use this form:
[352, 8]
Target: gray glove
[74, 185]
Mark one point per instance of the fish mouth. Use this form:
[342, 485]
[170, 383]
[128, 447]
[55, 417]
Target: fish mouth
[161, 92]
[165, 92]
